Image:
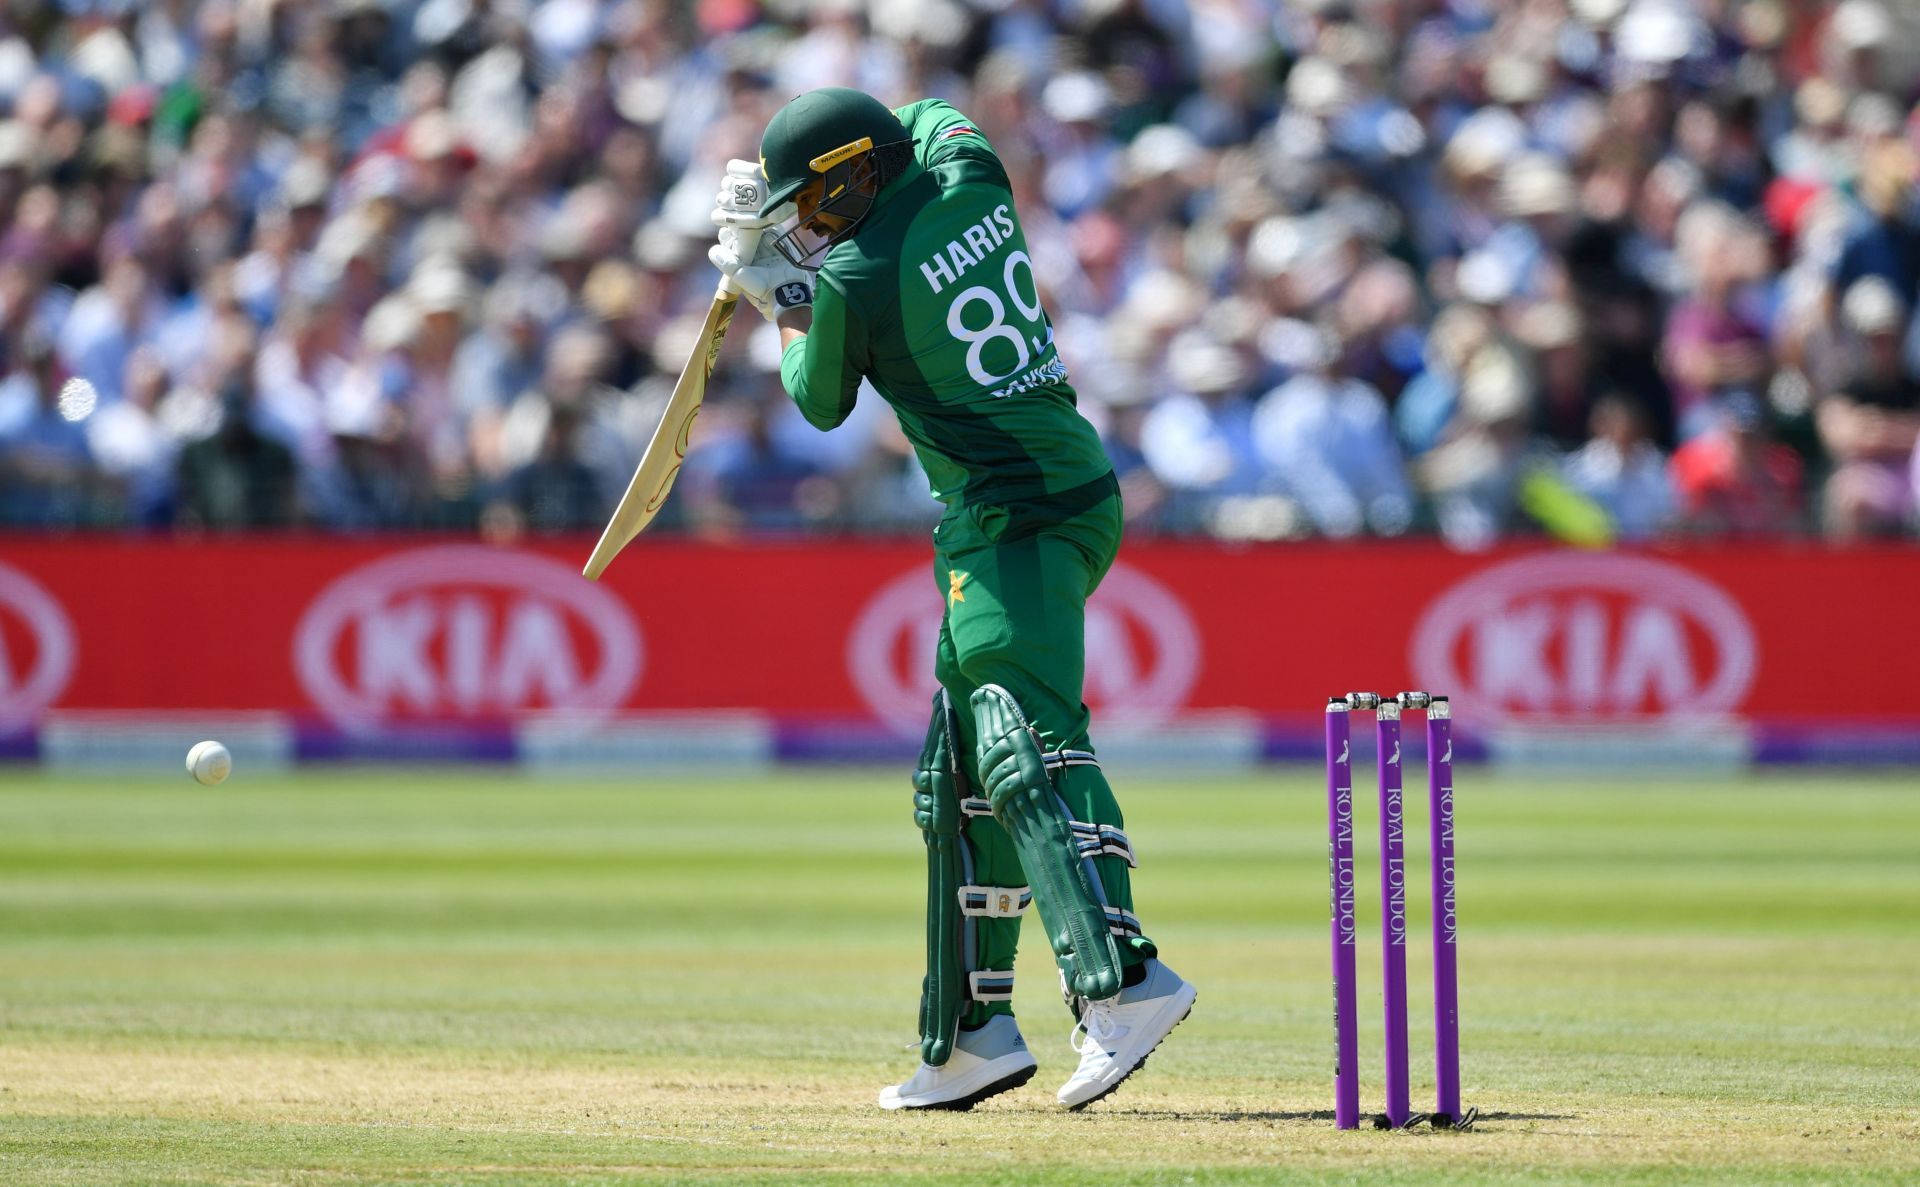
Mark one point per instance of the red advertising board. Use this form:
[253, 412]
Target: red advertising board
[362, 636]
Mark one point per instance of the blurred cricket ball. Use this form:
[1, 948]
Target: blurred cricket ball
[209, 762]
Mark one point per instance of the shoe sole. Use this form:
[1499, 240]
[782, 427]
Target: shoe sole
[967, 1102]
[961, 1104]
[1110, 1089]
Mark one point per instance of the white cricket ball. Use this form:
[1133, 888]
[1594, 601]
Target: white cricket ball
[209, 762]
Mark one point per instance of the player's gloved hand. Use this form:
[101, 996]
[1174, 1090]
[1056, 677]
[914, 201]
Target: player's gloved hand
[769, 281]
[743, 191]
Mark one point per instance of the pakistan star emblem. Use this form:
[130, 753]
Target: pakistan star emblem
[955, 579]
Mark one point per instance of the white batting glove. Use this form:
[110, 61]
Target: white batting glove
[743, 191]
[768, 281]
[736, 209]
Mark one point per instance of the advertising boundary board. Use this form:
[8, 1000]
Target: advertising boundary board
[689, 654]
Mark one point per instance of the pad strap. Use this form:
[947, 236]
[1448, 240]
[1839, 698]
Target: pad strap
[1124, 924]
[1102, 840]
[989, 985]
[975, 805]
[995, 902]
[1054, 759]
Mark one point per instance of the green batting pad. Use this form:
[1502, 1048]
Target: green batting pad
[937, 790]
[1066, 888]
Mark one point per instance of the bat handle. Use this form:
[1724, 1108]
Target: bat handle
[728, 291]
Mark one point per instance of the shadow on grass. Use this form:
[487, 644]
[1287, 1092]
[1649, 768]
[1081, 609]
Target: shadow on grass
[1311, 1115]
[1528, 1117]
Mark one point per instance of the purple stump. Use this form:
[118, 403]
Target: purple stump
[1393, 911]
[1346, 1033]
[1446, 921]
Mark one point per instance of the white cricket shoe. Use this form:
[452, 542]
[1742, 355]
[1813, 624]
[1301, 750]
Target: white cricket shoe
[984, 1063]
[1116, 1034]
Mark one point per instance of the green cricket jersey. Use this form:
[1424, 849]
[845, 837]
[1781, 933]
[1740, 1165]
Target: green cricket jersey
[934, 299]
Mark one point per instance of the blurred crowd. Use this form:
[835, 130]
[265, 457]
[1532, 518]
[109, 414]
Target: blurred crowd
[1595, 269]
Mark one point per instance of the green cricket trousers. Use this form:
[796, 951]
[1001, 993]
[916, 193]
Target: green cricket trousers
[1016, 577]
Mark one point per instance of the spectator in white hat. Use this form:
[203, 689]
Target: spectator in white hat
[1871, 423]
[1198, 441]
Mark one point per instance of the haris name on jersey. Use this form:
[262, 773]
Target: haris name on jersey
[975, 244]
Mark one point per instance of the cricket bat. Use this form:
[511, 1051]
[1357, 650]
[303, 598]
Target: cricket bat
[660, 464]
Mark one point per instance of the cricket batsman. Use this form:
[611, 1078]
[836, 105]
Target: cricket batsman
[885, 245]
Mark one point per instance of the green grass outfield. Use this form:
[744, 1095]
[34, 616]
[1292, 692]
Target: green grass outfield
[399, 977]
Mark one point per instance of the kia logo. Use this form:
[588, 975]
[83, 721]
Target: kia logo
[36, 649]
[465, 632]
[1586, 633]
[1143, 651]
